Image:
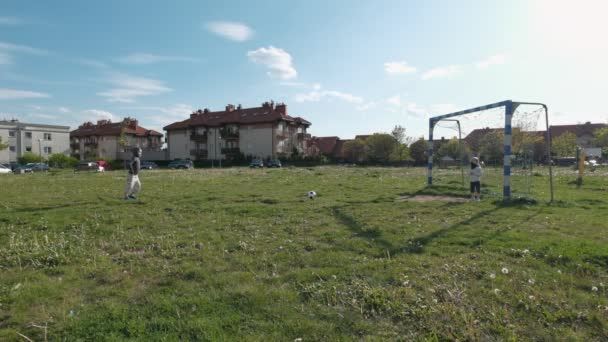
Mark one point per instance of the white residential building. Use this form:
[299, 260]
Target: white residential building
[261, 132]
[38, 139]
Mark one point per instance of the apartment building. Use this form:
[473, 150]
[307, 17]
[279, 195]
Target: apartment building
[42, 140]
[113, 140]
[262, 132]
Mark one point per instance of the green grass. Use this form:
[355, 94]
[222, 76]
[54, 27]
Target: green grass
[241, 254]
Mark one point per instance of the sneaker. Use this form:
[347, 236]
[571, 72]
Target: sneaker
[478, 199]
[132, 197]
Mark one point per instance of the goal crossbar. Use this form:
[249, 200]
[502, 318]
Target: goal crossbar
[510, 107]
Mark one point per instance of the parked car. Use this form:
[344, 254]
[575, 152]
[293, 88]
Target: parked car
[4, 169]
[273, 163]
[22, 169]
[256, 163]
[181, 164]
[148, 165]
[87, 166]
[38, 167]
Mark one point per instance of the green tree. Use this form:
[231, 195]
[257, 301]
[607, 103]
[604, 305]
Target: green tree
[380, 147]
[354, 151]
[491, 147]
[564, 145]
[2, 145]
[29, 157]
[454, 149]
[601, 137]
[418, 151]
[62, 161]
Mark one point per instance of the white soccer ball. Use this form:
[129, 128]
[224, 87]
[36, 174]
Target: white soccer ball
[312, 194]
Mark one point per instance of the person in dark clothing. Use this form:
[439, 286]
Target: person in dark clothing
[133, 184]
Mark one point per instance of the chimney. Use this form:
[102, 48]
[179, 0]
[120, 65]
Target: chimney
[281, 108]
[229, 107]
[206, 111]
[193, 115]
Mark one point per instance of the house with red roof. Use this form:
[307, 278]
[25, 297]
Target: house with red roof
[109, 140]
[262, 132]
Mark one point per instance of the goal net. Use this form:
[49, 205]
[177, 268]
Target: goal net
[515, 167]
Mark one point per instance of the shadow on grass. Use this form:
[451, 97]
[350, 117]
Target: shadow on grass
[416, 245]
[48, 208]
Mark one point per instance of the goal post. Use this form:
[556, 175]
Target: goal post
[509, 109]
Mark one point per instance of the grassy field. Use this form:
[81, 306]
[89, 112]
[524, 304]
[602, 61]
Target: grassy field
[241, 254]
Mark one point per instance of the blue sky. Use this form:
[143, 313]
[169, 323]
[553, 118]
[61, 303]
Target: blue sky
[349, 67]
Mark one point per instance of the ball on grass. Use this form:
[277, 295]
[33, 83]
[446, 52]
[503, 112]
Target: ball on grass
[312, 194]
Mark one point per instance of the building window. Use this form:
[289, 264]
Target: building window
[47, 136]
[11, 133]
[48, 150]
[28, 149]
[28, 135]
[12, 149]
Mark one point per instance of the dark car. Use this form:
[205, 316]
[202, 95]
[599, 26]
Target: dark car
[181, 164]
[22, 169]
[256, 163]
[148, 165]
[87, 166]
[273, 163]
[38, 167]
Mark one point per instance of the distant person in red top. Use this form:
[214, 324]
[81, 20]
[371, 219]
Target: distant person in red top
[102, 165]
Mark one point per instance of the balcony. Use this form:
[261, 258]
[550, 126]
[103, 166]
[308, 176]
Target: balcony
[90, 143]
[230, 150]
[228, 134]
[199, 137]
[75, 145]
[199, 154]
[281, 135]
[302, 136]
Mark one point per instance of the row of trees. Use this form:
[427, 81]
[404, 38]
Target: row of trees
[379, 148]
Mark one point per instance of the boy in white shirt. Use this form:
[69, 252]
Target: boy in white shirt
[475, 174]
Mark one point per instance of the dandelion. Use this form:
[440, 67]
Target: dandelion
[594, 288]
[559, 271]
[531, 297]
[505, 270]
[496, 291]
[492, 275]
[526, 251]
[531, 281]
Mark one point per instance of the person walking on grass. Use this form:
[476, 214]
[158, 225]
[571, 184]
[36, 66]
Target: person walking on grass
[475, 174]
[133, 185]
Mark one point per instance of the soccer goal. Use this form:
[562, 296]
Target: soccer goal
[511, 139]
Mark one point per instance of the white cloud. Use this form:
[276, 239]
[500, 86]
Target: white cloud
[179, 110]
[5, 58]
[64, 110]
[394, 100]
[398, 68]
[92, 63]
[317, 94]
[443, 108]
[129, 87]
[98, 114]
[276, 59]
[42, 116]
[231, 30]
[22, 48]
[441, 72]
[492, 60]
[366, 106]
[413, 109]
[13, 94]
[9, 21]
[146, 58]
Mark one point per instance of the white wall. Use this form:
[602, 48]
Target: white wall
[179, 144]
[256, 142]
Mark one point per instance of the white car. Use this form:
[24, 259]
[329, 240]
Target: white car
[4, 169]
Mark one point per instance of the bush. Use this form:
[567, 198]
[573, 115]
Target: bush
[62, 161]
[29, 157]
